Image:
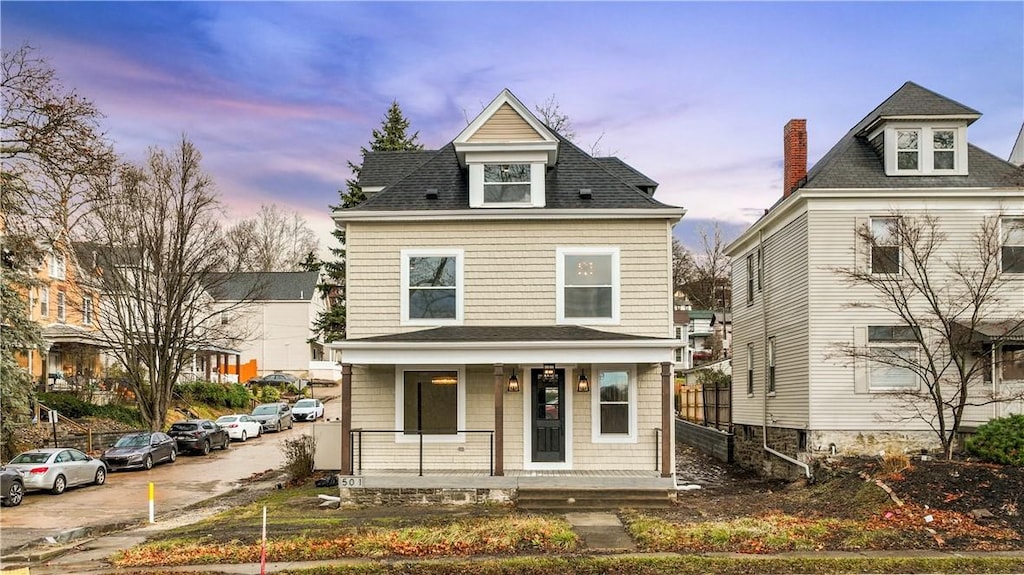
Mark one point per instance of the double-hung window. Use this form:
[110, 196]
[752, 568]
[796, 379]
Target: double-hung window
[750, 279]
[588, 285]
[771, 365]
[507, 183]
[1012, 252]
[430, 401]
[61, 306]
[614, 405]
[87, 310]
[1011, 362]
[432, 290]
[58, 266]
[750, 369]
[893, 351]
[943, 150]
[44, 301]
[908, 150]
[885, 245]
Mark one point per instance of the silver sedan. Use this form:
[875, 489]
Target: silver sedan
[56, 469]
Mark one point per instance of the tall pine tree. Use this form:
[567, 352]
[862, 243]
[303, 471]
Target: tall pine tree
[392, 136]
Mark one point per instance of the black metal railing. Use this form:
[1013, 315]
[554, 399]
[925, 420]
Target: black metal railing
[355, 438]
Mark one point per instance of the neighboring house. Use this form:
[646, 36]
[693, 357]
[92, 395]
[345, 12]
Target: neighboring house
[507, 287]
[703, 331]
[909, 156]
[273, 315]
[65, 303]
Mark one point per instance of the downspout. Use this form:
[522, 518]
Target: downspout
[764, 338]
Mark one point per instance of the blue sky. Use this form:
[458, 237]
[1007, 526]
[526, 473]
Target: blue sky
[280, 95]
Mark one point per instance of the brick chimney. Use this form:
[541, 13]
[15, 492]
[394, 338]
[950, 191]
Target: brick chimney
[794, 143]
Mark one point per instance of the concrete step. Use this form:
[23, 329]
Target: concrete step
[567, 500]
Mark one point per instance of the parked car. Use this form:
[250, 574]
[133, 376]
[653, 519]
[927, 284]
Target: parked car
[58, 468]
[273, 416]
[12, 487]
[240, 426]
[141, 449]
[199, 435]
[308, 410]
[278, 380]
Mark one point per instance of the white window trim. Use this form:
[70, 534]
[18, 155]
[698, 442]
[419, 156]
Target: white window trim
[400, 436]
[750, 370]
[62, 306]
[894, 346]
[1003, 237]
[595, 406]
[926, 150]
[771, 386]
[44, 300]
[897, 245]
[459, 256]
[87, 310]
[58, 266]
[538, 172]
[560, 254]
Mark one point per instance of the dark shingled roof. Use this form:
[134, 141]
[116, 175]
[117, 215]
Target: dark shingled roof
[386, 167]
[853, 162]
[626, 172]
[575, 169]
[505, 333]
[263, 286]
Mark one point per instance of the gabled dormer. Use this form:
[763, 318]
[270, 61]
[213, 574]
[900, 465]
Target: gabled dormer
[920, 133]
[507, 151]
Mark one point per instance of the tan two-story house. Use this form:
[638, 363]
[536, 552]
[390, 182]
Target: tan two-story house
[509, 309]
[823, 364]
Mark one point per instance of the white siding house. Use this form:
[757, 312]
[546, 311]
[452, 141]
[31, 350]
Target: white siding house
[804, 383]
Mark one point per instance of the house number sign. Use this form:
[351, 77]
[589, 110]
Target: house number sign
[349, 481]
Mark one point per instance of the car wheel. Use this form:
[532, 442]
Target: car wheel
[59, 485]
[173, 456]
[227, 442]
[259, 432]
[278, 428]
[291, 424]
[244, 436]
[101, 476]
[206, 447]
[147, 463]
[15, 494]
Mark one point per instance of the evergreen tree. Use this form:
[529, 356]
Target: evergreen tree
[17, 334]
[392, 136]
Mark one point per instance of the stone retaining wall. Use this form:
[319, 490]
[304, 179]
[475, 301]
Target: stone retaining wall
[749, 451]
[709, 440]
[409, 496]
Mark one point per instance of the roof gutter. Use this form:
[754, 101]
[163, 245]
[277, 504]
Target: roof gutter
[518, 214]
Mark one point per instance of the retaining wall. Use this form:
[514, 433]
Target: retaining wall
[715, 443]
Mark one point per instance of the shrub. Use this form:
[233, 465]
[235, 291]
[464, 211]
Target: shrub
[269, 394]
[298, 455]
[69, 405]
[1000, 441]
[231, 395]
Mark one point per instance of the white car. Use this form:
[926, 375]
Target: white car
[308, 410]
[240, 426]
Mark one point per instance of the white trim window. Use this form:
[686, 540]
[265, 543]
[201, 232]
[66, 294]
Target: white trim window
[44, 301]
[750, 279]
[507, 183]
[61, 306]
[588, 285]
[885, 247]
[1011, 362]
[750, 369]
[944, 150]
[614, 405]
[771, 366]
[58, 266]
[432, 288]
[1011, 254]
[895, 349]
[431, 399]
[926, 150]
[87, 310]
[908, 150]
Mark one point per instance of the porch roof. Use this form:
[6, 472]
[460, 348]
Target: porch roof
[63, 333]
[1000, 331]
[507, 344]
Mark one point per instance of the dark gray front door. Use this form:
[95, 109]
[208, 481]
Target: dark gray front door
[548, 416]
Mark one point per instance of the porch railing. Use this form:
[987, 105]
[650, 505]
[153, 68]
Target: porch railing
[355, 438]
[657, 449]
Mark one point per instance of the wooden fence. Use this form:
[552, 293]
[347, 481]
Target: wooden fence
[708, 405]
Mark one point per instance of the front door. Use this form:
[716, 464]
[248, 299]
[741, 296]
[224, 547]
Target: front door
[548, 406]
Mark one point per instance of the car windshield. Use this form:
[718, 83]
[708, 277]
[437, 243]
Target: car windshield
[184, 427]
[227, 419]
[305, 403]
[277, 377]
[265, 410]
[133, 441]
[31, 458]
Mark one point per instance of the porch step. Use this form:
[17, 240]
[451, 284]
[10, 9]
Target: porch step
[568, 500]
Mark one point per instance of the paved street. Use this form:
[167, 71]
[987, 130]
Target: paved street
[124, 498]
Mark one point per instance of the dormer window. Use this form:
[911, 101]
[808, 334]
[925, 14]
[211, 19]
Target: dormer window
[506, 183]
[926, 150]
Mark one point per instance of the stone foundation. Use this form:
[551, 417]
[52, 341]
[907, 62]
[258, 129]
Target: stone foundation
[874, 443]
[749, 452]
[409, 496]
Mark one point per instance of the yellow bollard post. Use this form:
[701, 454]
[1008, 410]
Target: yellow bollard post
[152, 508]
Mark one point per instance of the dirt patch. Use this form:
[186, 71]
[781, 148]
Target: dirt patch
[952, 505]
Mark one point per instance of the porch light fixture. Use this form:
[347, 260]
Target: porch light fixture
[513, 382]
[548, 375]
[444, 380]
[583, 385]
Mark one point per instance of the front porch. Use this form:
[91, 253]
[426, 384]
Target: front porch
[515, 479]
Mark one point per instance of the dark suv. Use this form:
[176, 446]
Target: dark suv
[199, 435]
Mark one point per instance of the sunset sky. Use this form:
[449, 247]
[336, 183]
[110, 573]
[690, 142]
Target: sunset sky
[280, 95]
